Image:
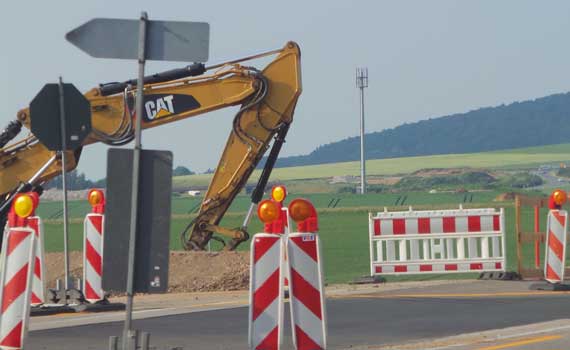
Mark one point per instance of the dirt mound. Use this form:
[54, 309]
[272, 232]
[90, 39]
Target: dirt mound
[188, 272]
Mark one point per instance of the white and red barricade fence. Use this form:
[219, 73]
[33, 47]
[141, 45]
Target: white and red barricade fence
[555, 256]
[297, 256]
[437, 241]
[93, 248]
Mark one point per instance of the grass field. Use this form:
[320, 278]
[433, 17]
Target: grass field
[508, 159]
[344, 229]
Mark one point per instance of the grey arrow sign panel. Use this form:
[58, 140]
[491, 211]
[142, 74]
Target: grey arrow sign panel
[166, 40]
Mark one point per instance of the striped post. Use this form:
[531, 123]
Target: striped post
[93, 257]
[266, 292]
[38, 281]
[17, 259]
[556, 228]
[308, 316]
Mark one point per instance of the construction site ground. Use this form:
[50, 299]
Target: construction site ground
[483, 315]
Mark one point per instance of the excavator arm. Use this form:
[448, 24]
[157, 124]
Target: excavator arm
[267, 98]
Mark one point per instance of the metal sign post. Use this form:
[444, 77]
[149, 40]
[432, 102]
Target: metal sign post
[157, 40]
[129, 336]
[63, 128]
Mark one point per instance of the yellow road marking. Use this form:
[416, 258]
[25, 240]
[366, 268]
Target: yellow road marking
[454, 295]
[523, 342]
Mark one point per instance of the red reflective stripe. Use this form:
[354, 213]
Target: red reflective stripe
[15, 237]
[304, 292]
[93, 257]
[474, 223]
[449, 225]
[35, 299]
[555, 245]
[476, 266]
[559, 218]
[400, 268]
[309, 247]
[38, 268]
[425, 268]
[450, 267]
[90, 293]
[261, 245]
[551, 274]
[399, 226]
[14, 338]
[271, 341]
[266, 294]
[304, 342]
[97, 222]
[378, 269]
[377, 227]
[498, 265]
[424, 225]
[15, 287]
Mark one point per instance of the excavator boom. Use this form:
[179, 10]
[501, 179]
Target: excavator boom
[267, 98]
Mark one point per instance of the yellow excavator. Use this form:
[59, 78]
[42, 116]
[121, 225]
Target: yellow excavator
[267, 97]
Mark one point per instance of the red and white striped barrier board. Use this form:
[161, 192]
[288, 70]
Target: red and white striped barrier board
[93, 257]
[17, 259]
[266, 292]
[437, 241]
[556, 228]
[308, 319]
[38, 281]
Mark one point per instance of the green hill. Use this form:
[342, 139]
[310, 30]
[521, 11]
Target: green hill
[543, 121]
[508, 159]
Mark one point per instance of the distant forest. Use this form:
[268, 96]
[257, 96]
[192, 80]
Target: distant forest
[543, 121]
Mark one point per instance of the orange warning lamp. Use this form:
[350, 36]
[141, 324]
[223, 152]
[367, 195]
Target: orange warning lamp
[279, 193]
[24, 205]
[304, 214]
[268, 211]
[559, 197]
[96, 198]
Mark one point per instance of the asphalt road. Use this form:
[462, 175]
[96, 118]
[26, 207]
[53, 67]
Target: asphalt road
[353, 321]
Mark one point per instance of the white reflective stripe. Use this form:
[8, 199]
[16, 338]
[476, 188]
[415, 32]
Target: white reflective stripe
[415, 249]
[438, 267]
[303, 264]
[555, 264]
[412, 226]
[403, 250]
[93, 236]
[485, 247]
[12, 316]
[472, 248]
[265, 323]
[386, 227]
[267, 264]
[461, 224]
[18, 257]
[436, 225]
[556, 228]
[460, 248]
[496, 247]
[449, 246]
[390, 251]
[308, 322]
[94, 280]
[487, 223]
[425, 244]
[379, 251]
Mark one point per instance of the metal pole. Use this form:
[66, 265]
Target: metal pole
[362, 161]
[113, 343]
[64, 184]
[129, 337]
[361, 83]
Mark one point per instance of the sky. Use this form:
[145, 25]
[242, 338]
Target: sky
[425, 59]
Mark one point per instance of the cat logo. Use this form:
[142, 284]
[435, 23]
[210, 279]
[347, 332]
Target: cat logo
[161, 105]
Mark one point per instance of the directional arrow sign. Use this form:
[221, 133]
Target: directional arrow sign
[166, 40]
[45, 117]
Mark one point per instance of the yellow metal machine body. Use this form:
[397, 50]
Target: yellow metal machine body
[267, 97]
